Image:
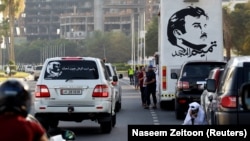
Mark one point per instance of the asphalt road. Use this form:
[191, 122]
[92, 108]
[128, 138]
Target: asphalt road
[132, 113]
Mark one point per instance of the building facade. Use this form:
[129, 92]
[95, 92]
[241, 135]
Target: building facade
[75, 19]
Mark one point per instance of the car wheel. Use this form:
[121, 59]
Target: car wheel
[53, 123]
[167, 105]
[117, 106]
[162, 105]
[106, 127]
[179, 115]
[113, 120]
[213, 118]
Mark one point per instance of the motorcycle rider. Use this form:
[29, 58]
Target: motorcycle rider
[15, 103]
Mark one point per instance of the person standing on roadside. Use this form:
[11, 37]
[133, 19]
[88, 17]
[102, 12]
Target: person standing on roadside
[151, 87]
[142, 78]
[131, 75]
[136, 74]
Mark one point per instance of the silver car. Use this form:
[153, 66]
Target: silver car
[37, 71]
[118, 89]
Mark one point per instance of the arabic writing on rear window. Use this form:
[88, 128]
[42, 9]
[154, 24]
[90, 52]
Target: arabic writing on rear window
[71, 70]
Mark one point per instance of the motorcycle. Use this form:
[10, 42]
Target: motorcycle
[56, 134]
[65, 135]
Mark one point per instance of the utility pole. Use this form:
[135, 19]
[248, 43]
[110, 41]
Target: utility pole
[132, 43]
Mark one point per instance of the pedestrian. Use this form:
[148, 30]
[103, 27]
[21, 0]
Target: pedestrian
[136, 79]
[157, 79]
[150, 87]
[131, 75]
[142, 77]
[15, 103]
[195, 115]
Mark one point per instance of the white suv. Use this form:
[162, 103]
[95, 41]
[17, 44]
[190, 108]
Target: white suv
[37, 71]
[118, 89]
[75, 89]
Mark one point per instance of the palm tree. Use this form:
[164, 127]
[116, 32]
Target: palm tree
[226, 32]
[12, 10]
[4, 32]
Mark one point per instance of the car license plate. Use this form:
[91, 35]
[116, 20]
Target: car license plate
[71, 91]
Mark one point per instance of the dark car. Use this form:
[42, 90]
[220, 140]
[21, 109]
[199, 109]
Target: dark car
[207, 98]
[190, 83]
[231, 107]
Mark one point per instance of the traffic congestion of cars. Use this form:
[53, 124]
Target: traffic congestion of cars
[222, 91]
[231, 96]
[88, 88]
[190, 83]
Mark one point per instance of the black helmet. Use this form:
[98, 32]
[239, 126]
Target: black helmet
[15, 97]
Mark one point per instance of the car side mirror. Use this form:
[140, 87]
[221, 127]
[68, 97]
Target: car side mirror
[115, 78]
[174, 76]
[211, 85]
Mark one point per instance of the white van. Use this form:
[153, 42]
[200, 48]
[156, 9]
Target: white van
[29, 69]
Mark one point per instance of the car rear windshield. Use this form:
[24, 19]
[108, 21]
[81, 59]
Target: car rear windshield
[71, 69]
[200, 69]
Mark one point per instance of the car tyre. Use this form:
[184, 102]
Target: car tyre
[117, 106]
[113, 120]
[106, 127]
[213, 118]
[179, 115]
[53, 123]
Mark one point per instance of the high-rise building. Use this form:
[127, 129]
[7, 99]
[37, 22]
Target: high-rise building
[75, 19]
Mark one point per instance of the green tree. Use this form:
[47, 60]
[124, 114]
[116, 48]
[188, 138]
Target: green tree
[96, 44]
[11, 10]
[114, 46]
[152, 37]
[32, 52]
[119, 49]
[240, 18]
[227, 36]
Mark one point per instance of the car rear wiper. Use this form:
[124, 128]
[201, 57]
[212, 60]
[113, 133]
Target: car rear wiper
[75, 77]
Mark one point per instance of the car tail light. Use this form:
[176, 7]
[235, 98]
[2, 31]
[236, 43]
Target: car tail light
[100, 91]
[72, 58]
[228, 101]
[42, 91]
[183, 85]
[182, 101]
[164, 78]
